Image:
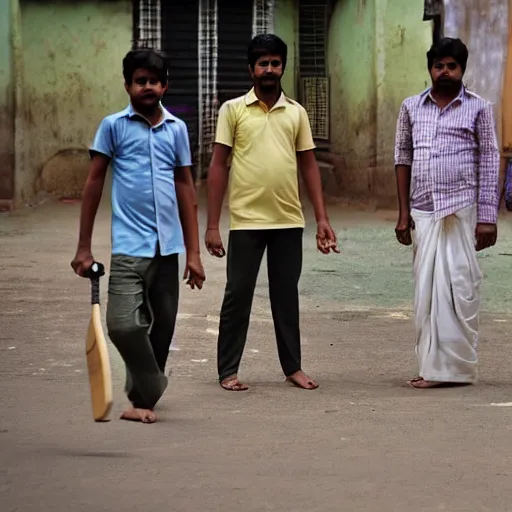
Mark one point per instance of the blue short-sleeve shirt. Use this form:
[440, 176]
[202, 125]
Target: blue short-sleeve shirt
[145, 211]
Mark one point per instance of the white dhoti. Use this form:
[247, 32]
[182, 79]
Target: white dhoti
[447, 296]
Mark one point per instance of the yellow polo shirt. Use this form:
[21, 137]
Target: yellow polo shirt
[263, 179]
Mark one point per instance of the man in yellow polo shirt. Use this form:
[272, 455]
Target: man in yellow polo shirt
[268, 137]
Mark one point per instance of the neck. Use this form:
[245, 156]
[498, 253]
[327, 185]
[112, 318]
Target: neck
[445, 95]
[269, 97]
[153, 114]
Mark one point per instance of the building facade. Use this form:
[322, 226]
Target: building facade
[351, 63]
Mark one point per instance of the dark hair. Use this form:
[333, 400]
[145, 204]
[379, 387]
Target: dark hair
[448, 47]
[266, 44]
[147, 59]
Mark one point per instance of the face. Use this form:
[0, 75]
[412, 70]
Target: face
[145, 91]
[446, 74]
[267, 72]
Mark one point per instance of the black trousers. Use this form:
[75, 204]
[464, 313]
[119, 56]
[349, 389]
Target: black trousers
[284, 262]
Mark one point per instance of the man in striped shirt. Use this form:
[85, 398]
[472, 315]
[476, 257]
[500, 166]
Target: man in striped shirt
[447, 167]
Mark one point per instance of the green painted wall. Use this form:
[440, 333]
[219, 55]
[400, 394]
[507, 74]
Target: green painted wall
[72, 77]
[7, 130]
[351, 48]
[402, 41]
[285, 23]
[376, 57]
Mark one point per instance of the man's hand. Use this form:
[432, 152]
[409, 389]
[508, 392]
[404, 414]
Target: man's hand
[486, 235]
[194, 272]
[325, 238]
[213, 243]
[82, 261]
[403, 230]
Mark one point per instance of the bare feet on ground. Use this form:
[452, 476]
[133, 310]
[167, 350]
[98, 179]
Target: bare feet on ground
[142, 415]
[233, 384]
[421, 383]
[301, 380]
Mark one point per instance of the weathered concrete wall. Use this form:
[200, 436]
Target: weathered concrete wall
[285, 23]
[483, 25]
[351, 48]
[7, 104]
[72, 77]
[376, 58]
[402, 41]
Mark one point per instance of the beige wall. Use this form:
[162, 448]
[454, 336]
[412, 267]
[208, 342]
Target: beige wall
[72, 77]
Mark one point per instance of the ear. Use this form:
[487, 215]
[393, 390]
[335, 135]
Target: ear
[251, 72]
[127, 87]
[165, 88]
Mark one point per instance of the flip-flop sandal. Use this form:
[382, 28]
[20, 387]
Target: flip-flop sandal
[233, 387]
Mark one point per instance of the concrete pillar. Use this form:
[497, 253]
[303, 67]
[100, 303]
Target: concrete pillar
[9, 10]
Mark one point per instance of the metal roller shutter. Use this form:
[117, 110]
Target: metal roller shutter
[179, 42]
[234, 34]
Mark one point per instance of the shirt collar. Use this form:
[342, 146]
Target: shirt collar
[167, 116]
[251, 99]
[427, 95]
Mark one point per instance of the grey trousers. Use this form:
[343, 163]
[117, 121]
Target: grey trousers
[142, 307]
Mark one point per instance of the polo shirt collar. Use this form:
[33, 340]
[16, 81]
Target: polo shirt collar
[251, 99]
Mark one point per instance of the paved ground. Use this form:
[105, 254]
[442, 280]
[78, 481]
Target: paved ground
[362, 442]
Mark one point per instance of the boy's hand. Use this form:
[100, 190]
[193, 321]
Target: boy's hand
[82, 261]
[213, 243]
[325, 238]
[194, 272]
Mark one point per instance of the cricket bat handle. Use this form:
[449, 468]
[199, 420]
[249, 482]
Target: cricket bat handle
[94, 273]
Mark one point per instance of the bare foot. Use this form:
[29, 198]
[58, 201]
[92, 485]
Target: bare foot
[421, 383]
[233, 384]
[142, 415]
[301, 380]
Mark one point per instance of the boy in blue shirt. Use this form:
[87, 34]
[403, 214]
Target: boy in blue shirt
[154, 218]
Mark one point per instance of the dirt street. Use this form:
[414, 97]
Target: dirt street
[362, 442]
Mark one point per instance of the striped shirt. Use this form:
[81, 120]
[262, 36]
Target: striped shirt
[453, 153]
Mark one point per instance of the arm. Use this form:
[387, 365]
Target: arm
[91, 197]
[311, 175]
[403, 163]
[403, 182]
[187, 204]
[486, 231]
[304, 144]
[488, 167]
[187, 207]
[218, 175]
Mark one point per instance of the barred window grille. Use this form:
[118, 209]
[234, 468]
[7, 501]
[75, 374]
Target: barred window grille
[313, 21]
[148, 24]
[208, 83]
[315, 94]
[263, 17]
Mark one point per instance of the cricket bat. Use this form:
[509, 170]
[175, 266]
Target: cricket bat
[98, 361]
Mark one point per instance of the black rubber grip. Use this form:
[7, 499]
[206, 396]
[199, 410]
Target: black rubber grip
[94, 273]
